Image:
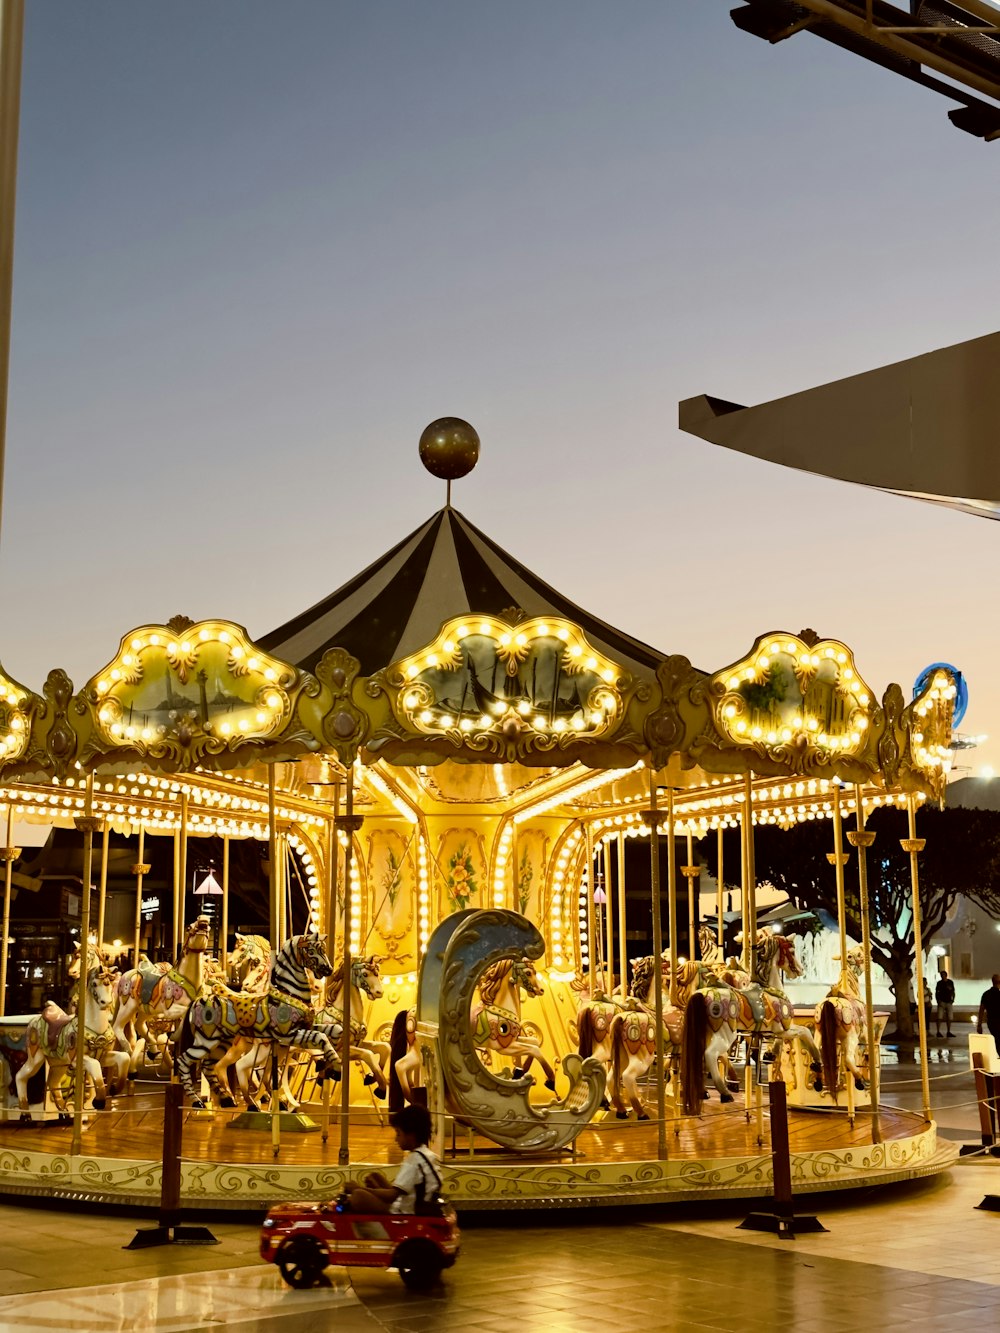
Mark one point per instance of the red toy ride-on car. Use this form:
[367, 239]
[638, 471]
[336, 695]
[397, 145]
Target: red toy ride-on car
[303, 1238]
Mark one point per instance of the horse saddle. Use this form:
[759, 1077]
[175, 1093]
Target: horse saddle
[244, 1008]
[150, 976]
[753, 996]
[55, 1020]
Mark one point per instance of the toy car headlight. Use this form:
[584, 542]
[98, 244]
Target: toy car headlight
[268, 1221]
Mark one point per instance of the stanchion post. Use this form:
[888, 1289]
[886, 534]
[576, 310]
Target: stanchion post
[349, 824]
[168, 1230]
[9, 855]
[652, 819]
[782, 1221]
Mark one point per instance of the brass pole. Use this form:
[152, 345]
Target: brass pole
[720, 928]
[862, 839]
[751, 863]
[591, 951]
[224, 950]
[88, 826]
[622, 948]
[744, 888]
[10, 855]
[838, 858]
[915, 846]
[691, 873]
[139, 869]
[11, 46]
[272, 851]
[182, 872]
[103, 894]
[175, 937]
[652, 818]
[609, 939]
[671, 907]
[350, 824]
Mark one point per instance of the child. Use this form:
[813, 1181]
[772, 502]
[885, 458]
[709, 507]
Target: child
[419, 1173]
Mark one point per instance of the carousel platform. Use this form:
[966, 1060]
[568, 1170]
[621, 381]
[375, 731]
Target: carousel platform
[716, 1155]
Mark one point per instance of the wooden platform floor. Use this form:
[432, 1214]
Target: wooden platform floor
[133, 1129]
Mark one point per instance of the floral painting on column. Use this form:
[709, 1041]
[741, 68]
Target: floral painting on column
[463, 869]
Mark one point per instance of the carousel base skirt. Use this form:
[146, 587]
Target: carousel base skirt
[714, 1156]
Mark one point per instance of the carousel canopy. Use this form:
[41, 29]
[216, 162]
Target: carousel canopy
[445, 568]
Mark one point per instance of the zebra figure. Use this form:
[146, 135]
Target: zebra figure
[284, 1014]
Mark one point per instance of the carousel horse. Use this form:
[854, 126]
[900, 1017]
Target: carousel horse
[496, 1020]
[633, 1034]
[50, 1039]
[508, 976]
[840, 1017]
[284, 1014]
[717, 1015]
[249, 963]
[98, 955]
[152, 1001]
[365, 981]
[716, 967]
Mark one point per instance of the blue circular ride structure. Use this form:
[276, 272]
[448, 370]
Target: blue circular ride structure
[961, 687]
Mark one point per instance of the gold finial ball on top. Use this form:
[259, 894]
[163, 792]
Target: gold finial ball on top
[449, 448]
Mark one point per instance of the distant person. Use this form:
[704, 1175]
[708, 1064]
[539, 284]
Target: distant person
[944, 995]
[989, 1009]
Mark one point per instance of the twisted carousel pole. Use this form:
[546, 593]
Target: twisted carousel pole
[88, 825]
[914, 846]
[862, 839]
[224, 950]
[691, 873]
[102, 897]
[651, 817]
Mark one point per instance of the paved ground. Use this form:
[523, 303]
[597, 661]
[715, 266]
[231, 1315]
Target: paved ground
[919, 1256]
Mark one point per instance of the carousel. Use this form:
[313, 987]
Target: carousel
[456, 772]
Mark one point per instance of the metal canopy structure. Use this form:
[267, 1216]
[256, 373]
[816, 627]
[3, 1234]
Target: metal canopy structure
[924, 427]
[951, 48]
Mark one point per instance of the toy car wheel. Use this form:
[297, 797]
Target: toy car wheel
[301, 1262]
[419, 1263]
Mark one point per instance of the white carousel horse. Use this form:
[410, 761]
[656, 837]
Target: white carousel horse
[504, 979]
[496, 1020]
[285, 1014]
[50, 1039]
[98, 955]
[633, 1034]
[153, 998]
[840, 1017]
[716, 1015]
[365, 981]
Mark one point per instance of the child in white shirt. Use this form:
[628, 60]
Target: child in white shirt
[419, 1174]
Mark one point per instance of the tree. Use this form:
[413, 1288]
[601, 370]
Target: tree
[961, 858]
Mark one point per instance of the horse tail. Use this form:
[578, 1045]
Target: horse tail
[693, 1052]
[585, 1032]
[828, 1047]
[397, 1049]
[617, 1051]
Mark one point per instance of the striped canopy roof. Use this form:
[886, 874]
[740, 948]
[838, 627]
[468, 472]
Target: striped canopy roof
[445, 568]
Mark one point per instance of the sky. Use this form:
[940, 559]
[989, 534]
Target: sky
[259, 247]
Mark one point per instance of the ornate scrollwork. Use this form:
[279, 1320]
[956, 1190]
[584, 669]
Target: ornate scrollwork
[666, 727]
[344, 724]
[498, 1108]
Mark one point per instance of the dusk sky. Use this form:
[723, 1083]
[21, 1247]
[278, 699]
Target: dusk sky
[259, 247]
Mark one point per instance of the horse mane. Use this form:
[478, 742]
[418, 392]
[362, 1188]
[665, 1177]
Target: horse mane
[642, 975]
[335, 981]
[493, 978]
